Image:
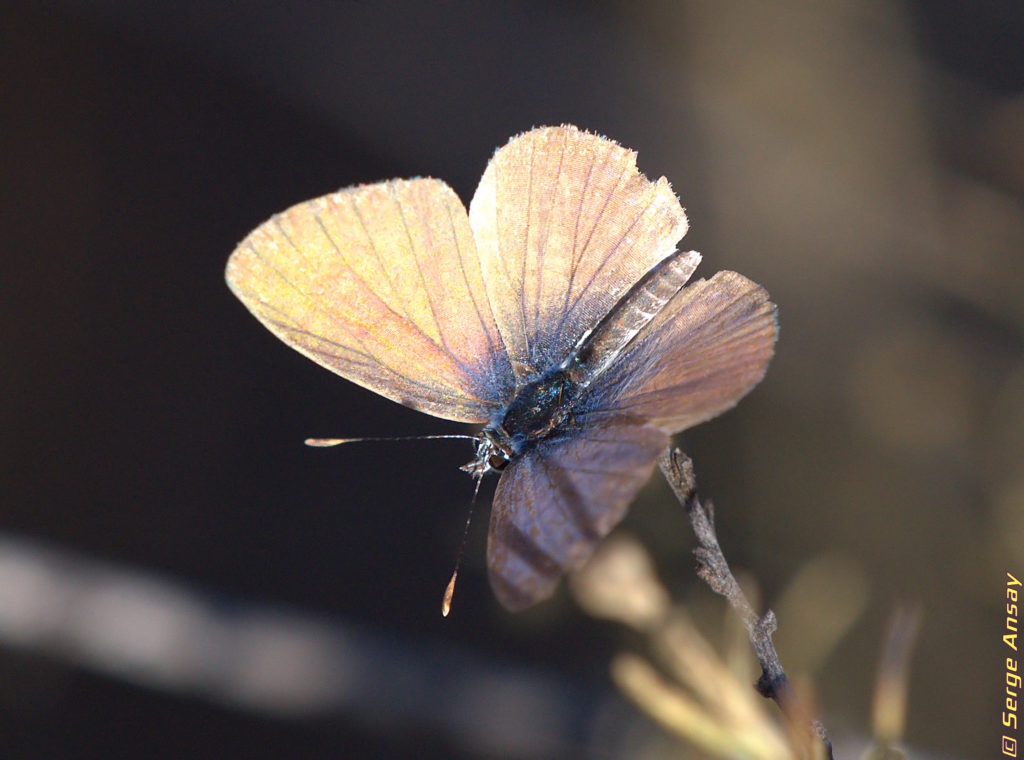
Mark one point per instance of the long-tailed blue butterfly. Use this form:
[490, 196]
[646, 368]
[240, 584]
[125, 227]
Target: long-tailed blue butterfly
[553, 313]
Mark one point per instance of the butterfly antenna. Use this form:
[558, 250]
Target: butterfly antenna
[449, 592]
[321, 443]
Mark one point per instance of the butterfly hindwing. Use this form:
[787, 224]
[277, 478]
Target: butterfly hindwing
[700, 355]
[705, 349]
[564, 224]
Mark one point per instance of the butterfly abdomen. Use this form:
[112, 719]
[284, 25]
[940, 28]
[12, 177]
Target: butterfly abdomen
[599, 349]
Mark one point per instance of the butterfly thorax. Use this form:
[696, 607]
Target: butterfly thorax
[541, 406]
[537, 410]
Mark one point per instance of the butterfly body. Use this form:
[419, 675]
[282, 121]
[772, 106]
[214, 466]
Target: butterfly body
[543, 408]
[554, 313]
[537, 410]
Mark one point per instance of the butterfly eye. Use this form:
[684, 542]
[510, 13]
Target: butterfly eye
[497, 461]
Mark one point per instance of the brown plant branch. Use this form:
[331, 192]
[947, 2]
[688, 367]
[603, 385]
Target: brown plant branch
[713, 569]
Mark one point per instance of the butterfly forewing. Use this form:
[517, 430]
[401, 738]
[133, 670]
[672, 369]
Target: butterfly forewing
[554, 504]
[381, 284]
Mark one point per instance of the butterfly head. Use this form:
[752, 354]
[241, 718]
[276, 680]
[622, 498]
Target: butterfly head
[494, 451]
[538, 409]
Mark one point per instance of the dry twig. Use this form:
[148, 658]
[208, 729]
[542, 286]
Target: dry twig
[714, 570]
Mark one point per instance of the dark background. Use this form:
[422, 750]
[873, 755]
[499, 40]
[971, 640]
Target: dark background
[863, 161]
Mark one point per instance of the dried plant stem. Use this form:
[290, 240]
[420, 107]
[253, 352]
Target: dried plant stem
[713, 568]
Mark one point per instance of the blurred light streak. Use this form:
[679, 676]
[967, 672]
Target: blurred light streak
[166, 636]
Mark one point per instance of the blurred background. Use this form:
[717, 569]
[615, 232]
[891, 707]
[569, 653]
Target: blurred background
[180, 577]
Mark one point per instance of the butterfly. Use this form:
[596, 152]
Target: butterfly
[553, 313]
